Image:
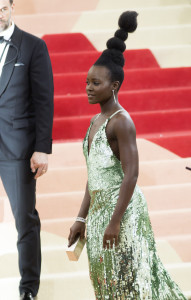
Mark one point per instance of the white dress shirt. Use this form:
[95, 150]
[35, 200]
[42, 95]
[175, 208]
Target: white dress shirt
[7, 35]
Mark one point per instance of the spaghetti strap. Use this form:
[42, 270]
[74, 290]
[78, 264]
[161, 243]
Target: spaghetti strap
[107, 118]
[114, 114]
[95, 118]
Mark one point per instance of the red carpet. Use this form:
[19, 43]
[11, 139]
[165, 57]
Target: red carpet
[146, 123]
[136, 79]
[132, 101]
[75, 61]
[69, 42]
[157, 99]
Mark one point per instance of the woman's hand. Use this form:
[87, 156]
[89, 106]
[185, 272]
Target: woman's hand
[77, 229]
[111, 235]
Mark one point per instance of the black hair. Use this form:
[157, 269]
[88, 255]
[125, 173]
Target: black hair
[11, 2]
[112, 58]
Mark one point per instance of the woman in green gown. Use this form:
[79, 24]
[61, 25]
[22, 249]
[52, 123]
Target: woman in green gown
[123, 261]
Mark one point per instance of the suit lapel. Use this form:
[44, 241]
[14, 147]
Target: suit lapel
[12, 56]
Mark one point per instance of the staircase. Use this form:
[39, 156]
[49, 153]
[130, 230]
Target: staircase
[156, 92]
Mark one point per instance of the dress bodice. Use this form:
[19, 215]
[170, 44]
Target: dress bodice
[104, 168]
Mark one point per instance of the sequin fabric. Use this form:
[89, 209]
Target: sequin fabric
[132, 270]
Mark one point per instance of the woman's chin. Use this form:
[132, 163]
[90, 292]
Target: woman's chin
[92, 100]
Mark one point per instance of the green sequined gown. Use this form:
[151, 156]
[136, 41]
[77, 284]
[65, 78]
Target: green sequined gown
[133, 270]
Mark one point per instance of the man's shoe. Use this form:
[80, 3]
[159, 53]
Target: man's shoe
[27, 296]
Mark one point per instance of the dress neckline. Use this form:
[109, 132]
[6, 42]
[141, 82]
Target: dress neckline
[109, 118]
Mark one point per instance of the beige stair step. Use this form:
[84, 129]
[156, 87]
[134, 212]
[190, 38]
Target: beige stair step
[144, 37]
[64, 205]
[71, 154]
[107, 4]
[164, 172]
[173, 56]
[53, 287]
[56, 6]
[50, 206]
[54, 242]
[67, 155]
[75, 21]
[181, 274]
[171, 222]
[55, 260]
[182, 246]
[148, 17]
[164, 223]
[54, 257]
[172, 225]
[57, 287]
[151, 173]
[171, 196]
[55, 210]
[39, 7]
[68, 179]
[158, 198]
[48, 240]
[53, 23]
[78, 285]
[59, 180]
[60, 227]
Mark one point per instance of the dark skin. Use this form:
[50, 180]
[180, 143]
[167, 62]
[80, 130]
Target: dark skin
[121, 135]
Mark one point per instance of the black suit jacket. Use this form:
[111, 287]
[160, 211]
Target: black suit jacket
[26, 98]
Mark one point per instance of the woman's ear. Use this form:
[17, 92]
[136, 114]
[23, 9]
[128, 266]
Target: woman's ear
[115, 86]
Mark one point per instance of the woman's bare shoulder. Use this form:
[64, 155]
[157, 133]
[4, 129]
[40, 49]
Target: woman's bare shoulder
[123, 121]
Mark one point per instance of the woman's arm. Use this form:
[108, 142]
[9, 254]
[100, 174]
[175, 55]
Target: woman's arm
[85, 204]
[78, 228]
[125, 133]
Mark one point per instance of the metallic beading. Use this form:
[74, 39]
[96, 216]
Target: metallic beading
[80, 219]
[132, 270]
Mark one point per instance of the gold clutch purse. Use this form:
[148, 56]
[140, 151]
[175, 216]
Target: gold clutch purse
[75, 250]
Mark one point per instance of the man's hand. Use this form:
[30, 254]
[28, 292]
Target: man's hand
[39, 162]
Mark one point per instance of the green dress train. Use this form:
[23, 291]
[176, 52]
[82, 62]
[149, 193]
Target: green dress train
[132, 270]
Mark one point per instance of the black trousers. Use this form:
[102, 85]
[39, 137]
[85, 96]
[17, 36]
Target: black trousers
[20, 186]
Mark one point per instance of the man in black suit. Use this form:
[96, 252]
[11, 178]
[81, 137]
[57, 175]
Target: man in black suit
[26, 117]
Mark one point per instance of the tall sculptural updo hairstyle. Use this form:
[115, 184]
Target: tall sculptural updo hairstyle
[112, 58]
